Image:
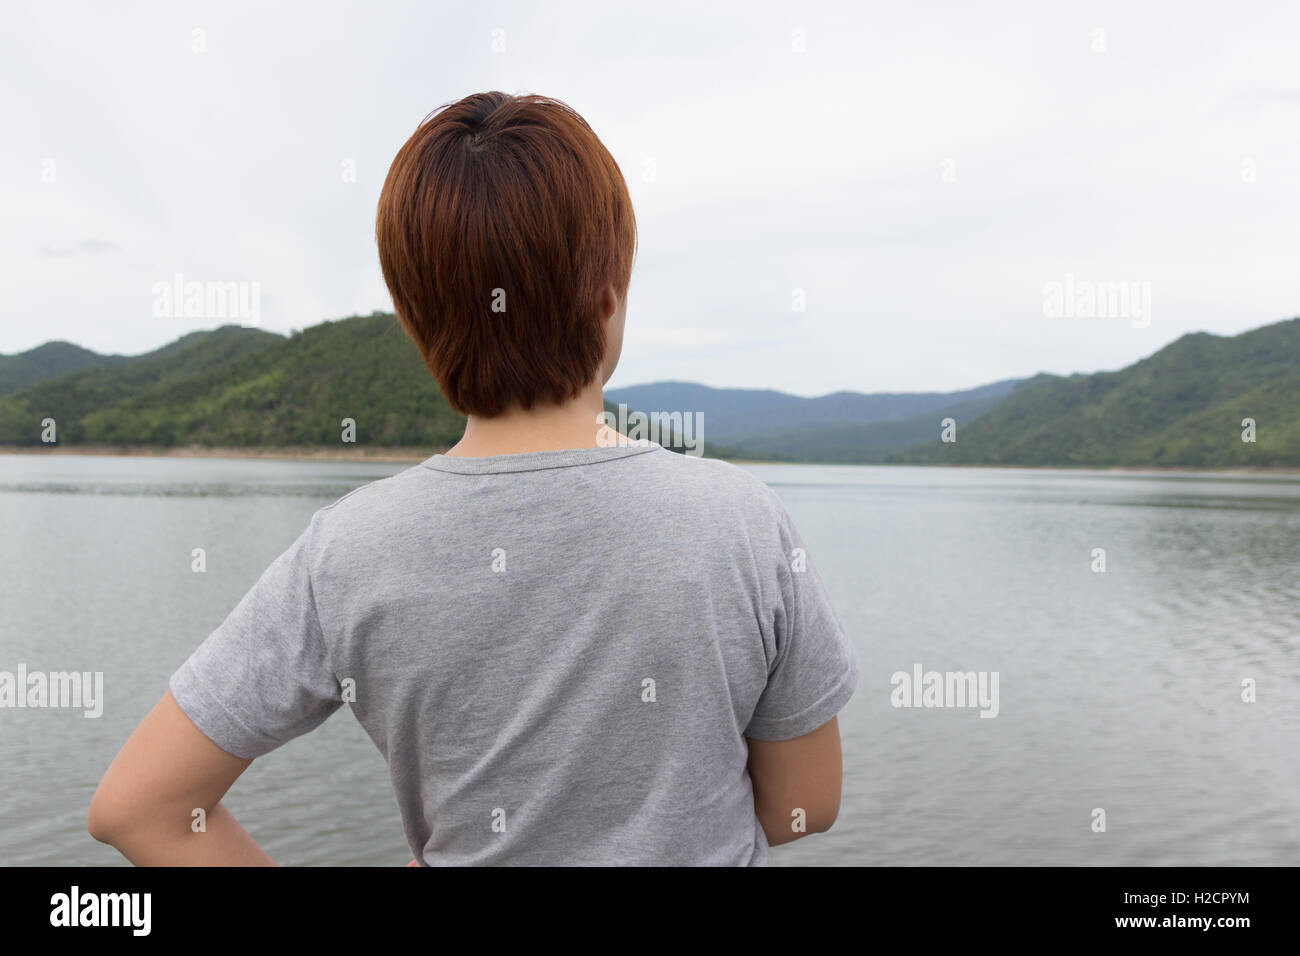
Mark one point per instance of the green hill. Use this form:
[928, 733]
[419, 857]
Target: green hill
[48, 361]
[1182, 406]
[239, 387]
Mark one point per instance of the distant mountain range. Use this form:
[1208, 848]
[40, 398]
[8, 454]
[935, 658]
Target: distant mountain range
[245, 387]
[840, 427]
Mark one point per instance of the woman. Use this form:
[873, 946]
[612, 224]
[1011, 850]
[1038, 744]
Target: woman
[570, 650]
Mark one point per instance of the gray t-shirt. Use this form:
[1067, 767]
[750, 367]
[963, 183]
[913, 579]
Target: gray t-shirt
[560, 653]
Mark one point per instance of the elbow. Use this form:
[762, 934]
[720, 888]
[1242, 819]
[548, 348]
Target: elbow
[98, 828]
[793, 822]
[824, 818]
[98, 825]
[824, 824]
[823, 813]
[103, 821]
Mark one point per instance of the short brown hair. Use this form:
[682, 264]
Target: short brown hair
[508, 201]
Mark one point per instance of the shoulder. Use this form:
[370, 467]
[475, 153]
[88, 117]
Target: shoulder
[719, 484]
[376, 506]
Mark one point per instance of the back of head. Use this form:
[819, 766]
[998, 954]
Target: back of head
[500, 223]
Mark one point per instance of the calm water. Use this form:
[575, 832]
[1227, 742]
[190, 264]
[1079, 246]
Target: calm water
[1119, 690]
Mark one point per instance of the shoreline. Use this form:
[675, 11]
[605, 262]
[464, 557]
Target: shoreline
[396, 454]
[406, 454]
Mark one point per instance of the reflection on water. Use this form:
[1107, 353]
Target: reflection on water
[1119, 691]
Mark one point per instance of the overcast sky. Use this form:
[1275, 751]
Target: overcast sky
[922, 172]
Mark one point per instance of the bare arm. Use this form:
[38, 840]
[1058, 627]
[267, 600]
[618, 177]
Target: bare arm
[164, 772]
[803, 774]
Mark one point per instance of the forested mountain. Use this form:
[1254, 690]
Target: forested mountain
[48, 361]
[238, 387]
[1184, 405]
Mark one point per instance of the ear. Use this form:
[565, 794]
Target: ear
[608, 303]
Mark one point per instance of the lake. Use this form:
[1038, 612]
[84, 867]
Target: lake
[1120, 691]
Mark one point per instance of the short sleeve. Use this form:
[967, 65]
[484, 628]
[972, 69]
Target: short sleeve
[815, 668]
[262, 677]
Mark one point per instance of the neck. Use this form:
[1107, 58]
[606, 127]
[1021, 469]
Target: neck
[550, 427]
